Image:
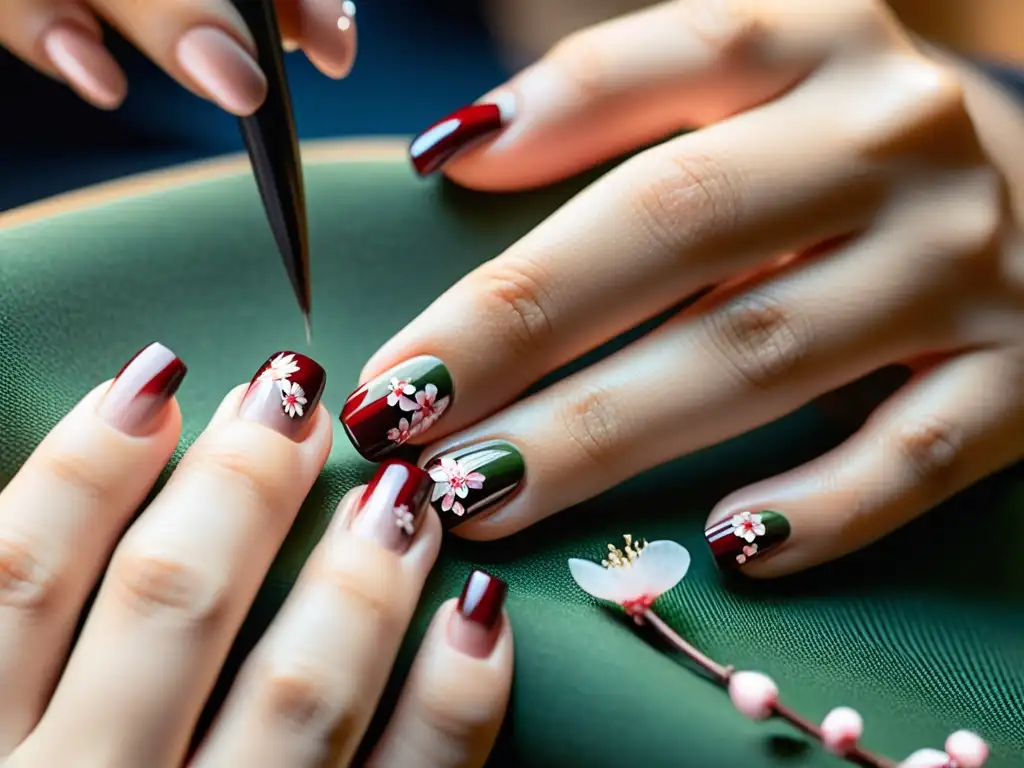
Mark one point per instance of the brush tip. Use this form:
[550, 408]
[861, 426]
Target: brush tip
[309, 328]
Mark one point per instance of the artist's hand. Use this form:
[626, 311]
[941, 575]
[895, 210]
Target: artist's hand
[203, 44]
[182, 578]
[847, 196]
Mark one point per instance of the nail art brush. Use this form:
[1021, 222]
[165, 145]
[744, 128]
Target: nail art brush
[273, 145]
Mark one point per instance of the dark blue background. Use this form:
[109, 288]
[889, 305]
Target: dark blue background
[417, 61]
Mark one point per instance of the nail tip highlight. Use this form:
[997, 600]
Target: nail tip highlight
[464, 128]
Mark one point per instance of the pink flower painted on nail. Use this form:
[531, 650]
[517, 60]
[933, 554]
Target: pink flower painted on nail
[280, 368]
[404, 518]
[399, 393]
[748, 552]
[293, 397]
[430, 408]
[747, 526]
[453, 481]
[404, 430]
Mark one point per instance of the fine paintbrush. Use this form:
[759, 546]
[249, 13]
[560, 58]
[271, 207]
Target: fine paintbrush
[272, 141]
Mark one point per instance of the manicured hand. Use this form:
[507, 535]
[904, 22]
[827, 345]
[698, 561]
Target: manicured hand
[203, 44]
[182, 578]
[852, 200]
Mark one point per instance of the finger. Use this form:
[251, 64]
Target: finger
[62, 39]
[325, 29]
[203, 44]
[61, 515]
[689, 213]
[184, 577]
[456, 695]
[942, 432]
[624, 83]
[699, 379]
[313, 683]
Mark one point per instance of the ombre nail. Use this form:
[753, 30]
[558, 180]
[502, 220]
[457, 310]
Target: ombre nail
[141, 389]
[392, 506]
[284, 394]
[473, 628]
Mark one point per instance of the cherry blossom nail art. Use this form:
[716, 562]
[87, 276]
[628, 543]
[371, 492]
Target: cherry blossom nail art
[392, 505]
[472, 479]
[284, 393]
[397, 406]
[746, 535]
[141, 389]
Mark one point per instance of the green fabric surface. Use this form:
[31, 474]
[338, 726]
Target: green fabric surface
[922, 632]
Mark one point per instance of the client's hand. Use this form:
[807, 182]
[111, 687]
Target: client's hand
[182, 578]
[203, 44]
[851, 199]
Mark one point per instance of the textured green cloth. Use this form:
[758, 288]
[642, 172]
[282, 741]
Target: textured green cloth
[922, 633]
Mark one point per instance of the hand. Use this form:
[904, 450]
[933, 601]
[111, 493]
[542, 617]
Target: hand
[182, 578]
[203, 44]
[848, 197]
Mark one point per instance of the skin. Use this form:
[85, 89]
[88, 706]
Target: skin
[180, 581]
[897, 241]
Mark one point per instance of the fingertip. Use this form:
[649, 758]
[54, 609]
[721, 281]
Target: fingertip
[79, 56]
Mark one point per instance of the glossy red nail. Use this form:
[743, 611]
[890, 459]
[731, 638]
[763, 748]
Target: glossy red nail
[392, 505]
[141, 389]
[284, 393]
[461, 129]
[473, 628]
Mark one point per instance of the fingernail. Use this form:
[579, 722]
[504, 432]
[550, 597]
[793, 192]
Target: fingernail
[330, 39]
[744, 536]
[140, 390]
[284, 394]
[470, 480]
[397, 405]
[392, 505]
[474, 626]
[460, 130]
[86, 64]
[225, 70]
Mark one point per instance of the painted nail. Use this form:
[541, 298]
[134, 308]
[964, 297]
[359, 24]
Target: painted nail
[458, 131]
[330, 37]
[222, 68]
[474, 626]
[472, 479]
[284, 394]
[86, 64]
[397, 405]
[138, 394]
[392, 505]
[742, 537]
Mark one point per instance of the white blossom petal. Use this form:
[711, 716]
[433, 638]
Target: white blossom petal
[661, 565]
[598, 581]
[926, 758]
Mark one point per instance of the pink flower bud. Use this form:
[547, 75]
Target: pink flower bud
[968, 749]
[753, 694]
[927, 758]
[841, 729]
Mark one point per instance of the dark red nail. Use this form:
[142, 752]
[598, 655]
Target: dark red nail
[141, 388]
[745, 536]
[482, 599]
[461, 129]
[397, 405]
[392, 505]
[284, 393]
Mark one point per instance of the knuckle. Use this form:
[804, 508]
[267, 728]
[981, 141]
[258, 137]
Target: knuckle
[758, 338]
[370, 580]
[514, 294]
[151, 584]
[684, 200]
[76, 471]
[594, 425]
[929, 448]
[260, 479]
[296, 694]
[24, 582]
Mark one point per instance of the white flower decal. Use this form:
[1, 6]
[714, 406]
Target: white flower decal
[634, 577]
[452, 481]
[404, 430]
[748, 552]
[280, 368]
[403, 518]
[430, 408]
[747, 526]
[399, 393]
[293, 397]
